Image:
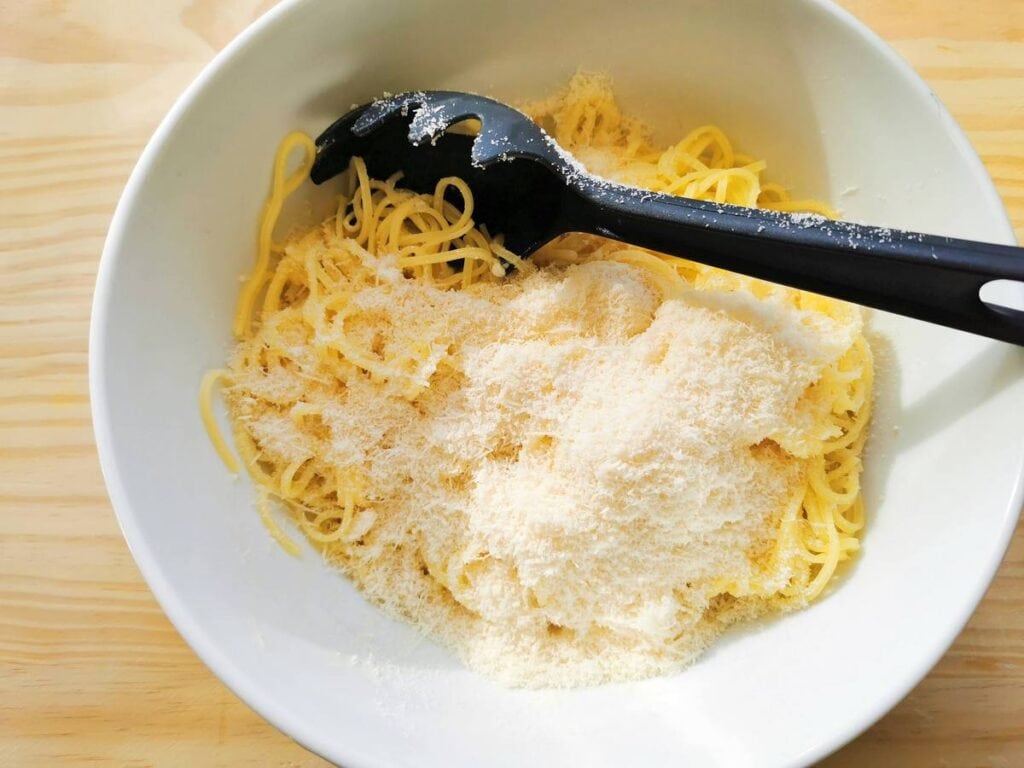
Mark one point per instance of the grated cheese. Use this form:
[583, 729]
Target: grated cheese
[588, 463]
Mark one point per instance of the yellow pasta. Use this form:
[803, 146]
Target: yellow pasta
[304, 294]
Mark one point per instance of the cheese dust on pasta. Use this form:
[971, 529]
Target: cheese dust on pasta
[577, 472]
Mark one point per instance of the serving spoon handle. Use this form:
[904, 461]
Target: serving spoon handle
[932, 278]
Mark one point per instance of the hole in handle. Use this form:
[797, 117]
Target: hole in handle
[1003, 293]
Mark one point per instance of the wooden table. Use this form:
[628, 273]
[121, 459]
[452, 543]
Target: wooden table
[90, 670]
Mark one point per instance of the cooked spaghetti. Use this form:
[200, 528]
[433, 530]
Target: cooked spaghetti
[576, 473]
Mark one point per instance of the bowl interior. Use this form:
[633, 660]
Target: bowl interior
[834, 113]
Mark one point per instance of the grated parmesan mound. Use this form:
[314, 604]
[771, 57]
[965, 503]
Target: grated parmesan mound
[582, 471]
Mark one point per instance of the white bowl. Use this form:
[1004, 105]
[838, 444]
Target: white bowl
[836, 114]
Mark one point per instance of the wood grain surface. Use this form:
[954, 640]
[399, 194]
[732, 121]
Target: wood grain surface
[90, 670]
